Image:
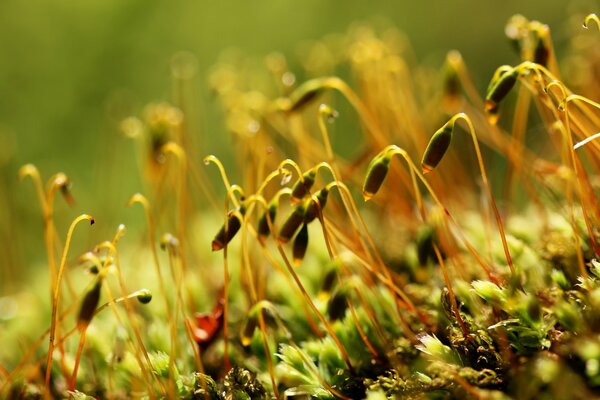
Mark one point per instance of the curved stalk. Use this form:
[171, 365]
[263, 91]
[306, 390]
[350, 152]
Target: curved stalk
[56, 294]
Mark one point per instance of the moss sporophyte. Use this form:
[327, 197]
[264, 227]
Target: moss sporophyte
[473, 275]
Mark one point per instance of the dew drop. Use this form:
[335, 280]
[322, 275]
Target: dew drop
[286, 176]
[332, 116]
[8, 308]
[288, 79]
[253, 126]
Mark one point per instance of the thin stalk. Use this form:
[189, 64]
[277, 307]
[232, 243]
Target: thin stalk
[333, 254]
[518, 131]
[179, 153]
[352, 210]
[72, 331]
[591, 17]
[571, 156]
[129, 309]
[212, 159]
[400, 151]
[56, 294]
[311, 323]
[488, 189]
[78, 357]
[226, 278]
[459, 319]
[103, 268]
[171, 249]
[312, 305]
[141, 199]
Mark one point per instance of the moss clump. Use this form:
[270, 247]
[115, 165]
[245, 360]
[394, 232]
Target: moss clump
[438, 287]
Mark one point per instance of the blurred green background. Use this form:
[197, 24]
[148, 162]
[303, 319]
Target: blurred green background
[65, 64]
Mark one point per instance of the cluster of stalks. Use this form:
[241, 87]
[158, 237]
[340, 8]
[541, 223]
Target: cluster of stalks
[439, 280]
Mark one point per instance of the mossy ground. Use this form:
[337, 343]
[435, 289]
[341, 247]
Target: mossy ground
[478, 279]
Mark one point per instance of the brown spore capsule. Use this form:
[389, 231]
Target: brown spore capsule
[437, 147]
[311, 207]
[227, 231]
[501, 70]
[291, 225]
[65, 190]
[425, 242]
[305, 94]
[541, 52]
[303, 185]
[144, 296]
[300, 245]
[248, 329]
[451, 80]
[89, 305]
[500, 89]
[263, 229]
[328, 284]
[376, 174]
[338, 304]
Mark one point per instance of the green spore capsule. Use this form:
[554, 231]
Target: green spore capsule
[437, 147]
[376, 174]
[144, 296]
[501, 70]
[451, 80]
[248, 329]
[305, 94]
[502, 86]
